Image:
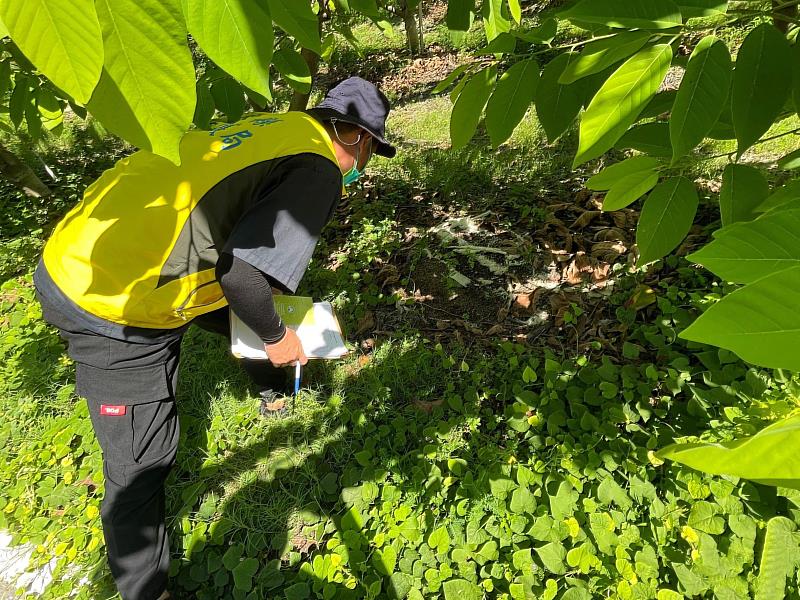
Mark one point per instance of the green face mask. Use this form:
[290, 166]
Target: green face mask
[353, 174]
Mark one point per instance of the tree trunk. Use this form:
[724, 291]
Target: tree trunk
[412, 31]
[299, 100]
[421, 29]
[778, 8]
[21, 175]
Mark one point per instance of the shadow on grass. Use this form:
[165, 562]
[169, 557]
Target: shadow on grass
[270, 477]
[247, 514]
[274, 492]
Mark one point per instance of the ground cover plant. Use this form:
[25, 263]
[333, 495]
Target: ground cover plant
[496, 432]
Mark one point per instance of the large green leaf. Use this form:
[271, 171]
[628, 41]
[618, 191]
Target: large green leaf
[557, 105]
[702, 8]
[770, 456]
[610, 176]
[620, 100]
[543, 34]
[298, 20]
[600, 54]
[385, 560]
[366, 7]
[50, 108]
[62, 38]
[20, 98]
[510, 100]
[204, 110]
[33, 119]
[494, 21]
[759, 322]
[790, 162]
[666, 218]
[627, 14]
[744, 188]
[294, 69]
[552, 556]
[702, 95]
[796, 77]
[460, 14]
[243, 574]
[629, 189]
[650, 138]
[468, 108]
[761, 83]
[461, 589]
[704, 516]
[778, 558]
[748, 251]
[236, 35]
[783, 196]
[146, 93]
[229, 98]
[504, 43]
[5, 77]
[723, 129]
[451, 77]
[661, 104]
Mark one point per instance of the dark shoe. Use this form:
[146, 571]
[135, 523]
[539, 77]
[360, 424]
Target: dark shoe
[273, 405]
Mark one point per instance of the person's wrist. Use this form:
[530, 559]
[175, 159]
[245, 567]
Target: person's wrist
[278, 338]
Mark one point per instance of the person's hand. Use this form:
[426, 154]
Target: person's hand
[286, 352]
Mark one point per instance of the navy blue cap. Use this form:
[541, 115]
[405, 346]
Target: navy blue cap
[359, 102]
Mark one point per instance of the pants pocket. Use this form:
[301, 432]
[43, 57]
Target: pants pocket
[154, 430]
[132, 410]
[135, 434]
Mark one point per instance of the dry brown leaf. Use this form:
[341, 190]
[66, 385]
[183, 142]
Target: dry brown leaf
[601, 272]
[579, 269]
[568, 242]
[586, 218]
[388, 275]
[494, 330]
[522, 301]
[366, 323]
[427, 406]
[610, 234]
[620, 219]
[608, 251]
[302, 544]
[558, 301]
[582, 195]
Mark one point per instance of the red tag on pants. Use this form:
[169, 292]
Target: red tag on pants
[112, 411]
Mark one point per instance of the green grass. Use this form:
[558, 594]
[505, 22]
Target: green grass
[764, 154]
[498, 466]
[274, 489]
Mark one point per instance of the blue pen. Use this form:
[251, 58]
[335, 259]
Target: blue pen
[297, 371]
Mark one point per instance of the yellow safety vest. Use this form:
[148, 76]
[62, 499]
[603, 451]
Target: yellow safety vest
[108, 254]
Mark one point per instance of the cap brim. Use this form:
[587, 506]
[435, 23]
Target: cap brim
[384, 148]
